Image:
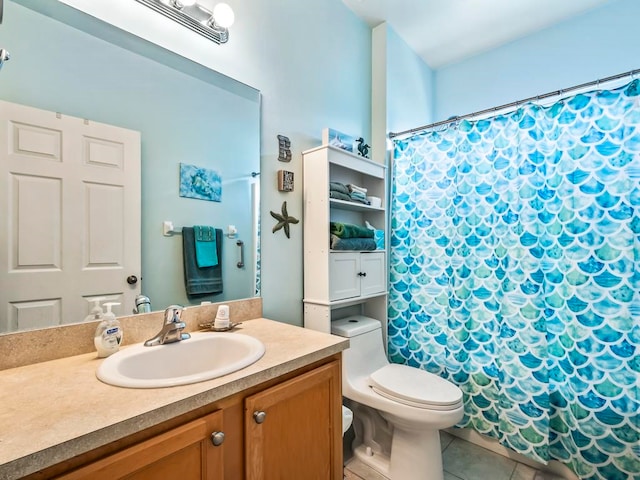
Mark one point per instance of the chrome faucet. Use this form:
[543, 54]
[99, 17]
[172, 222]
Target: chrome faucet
[171, 328]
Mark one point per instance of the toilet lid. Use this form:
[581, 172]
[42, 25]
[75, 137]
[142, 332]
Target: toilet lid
[415, 387]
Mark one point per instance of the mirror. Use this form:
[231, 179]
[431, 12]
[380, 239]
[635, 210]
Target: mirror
[65, 61]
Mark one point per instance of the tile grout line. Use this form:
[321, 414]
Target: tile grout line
[445, 470]
[448, 444]
[456, 477]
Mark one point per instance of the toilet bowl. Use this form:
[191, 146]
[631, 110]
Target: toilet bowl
[397, 409]
[347, 418]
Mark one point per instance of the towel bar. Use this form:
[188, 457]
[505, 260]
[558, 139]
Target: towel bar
[240, 244]
[168, 229]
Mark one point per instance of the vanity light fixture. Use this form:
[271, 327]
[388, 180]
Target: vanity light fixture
[189, 13]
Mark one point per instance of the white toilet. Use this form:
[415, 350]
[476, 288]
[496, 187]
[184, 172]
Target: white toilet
[397, 409]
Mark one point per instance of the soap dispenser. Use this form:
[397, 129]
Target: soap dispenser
[108, 335]
[96, 312]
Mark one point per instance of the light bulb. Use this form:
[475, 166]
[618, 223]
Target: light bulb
[223, 15]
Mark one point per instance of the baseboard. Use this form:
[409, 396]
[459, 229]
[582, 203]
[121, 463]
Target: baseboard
[554, 467]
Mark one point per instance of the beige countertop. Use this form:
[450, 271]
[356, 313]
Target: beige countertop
[55, 410]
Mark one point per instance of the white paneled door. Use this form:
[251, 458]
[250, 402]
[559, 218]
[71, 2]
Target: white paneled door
[70, 213]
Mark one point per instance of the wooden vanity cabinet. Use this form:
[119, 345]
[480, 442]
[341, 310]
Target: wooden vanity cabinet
[298, 437]
[186, 453]
[294, 430]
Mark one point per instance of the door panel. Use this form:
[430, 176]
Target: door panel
[36, 141]
[33, 314]
[36, 226]
[104, 228]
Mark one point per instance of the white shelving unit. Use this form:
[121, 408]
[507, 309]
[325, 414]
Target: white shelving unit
[338, 283]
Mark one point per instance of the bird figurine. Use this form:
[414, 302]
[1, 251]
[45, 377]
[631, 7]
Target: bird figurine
[363, 148]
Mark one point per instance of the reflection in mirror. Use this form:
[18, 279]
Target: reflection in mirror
[184, 113]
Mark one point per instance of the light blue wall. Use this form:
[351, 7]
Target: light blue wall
[312, 63]
[594, 45]
[410, 86]
[181, 119]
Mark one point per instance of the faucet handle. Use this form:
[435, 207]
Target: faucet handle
[172, 314]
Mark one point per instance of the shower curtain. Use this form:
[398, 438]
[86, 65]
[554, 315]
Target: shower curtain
[515, 274]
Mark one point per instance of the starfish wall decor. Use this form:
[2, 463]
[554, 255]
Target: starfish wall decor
[283, 220]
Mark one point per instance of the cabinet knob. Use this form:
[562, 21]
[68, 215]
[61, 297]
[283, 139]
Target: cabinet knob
[217, 438]
[362, 274]
[259, 416]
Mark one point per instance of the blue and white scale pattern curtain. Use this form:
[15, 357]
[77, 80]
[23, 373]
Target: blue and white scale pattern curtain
[515, 274]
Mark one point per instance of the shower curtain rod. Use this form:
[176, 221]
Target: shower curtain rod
[515, 104]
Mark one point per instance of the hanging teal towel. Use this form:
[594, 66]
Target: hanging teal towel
[206, 251]
[200, 281]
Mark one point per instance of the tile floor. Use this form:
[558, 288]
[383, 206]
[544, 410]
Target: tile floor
[463, 461]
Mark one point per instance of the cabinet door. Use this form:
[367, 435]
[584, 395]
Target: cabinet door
[344, 281]
[186, 452]
[373, 269]
[293, 430]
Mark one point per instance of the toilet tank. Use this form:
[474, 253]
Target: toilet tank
[366, 352]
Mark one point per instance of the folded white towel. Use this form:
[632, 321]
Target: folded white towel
[356, 188]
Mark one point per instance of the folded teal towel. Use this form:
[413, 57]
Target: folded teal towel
[348, 230]
[206, 250]
[338, 243]
[339, 196]
[338, 187]
[359, 197]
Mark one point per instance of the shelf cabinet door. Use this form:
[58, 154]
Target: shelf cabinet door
[356, 274]
[293, 430]
[344, 281]
[186, 452]
[374, 278]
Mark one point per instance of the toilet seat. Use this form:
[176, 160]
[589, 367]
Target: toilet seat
[415, 387]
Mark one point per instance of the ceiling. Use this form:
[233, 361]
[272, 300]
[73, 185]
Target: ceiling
[447, 31]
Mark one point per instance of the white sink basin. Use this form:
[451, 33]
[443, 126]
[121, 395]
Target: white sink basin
[202, 357]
